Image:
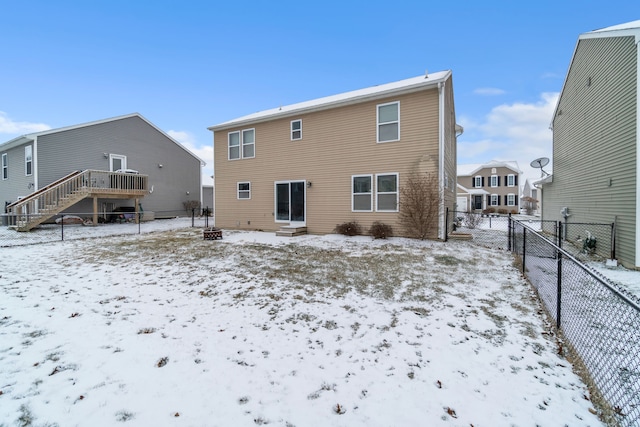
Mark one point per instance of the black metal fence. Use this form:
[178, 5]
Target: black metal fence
[599, 321]
[78, 225]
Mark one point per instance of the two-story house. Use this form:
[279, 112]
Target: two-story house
[596, 138]
[90, 169]
[493, 185]
[336, 159]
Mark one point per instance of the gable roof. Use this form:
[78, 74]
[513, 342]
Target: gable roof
[471, 168]
[628, 29]
[375, 92]
[32, 136]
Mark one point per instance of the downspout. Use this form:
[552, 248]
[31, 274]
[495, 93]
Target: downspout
[441, 220]
[34, 160]
[213, 208]
[637, 258]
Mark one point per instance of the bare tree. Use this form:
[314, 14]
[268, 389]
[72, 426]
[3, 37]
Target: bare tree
[529, 204]
[419, 205]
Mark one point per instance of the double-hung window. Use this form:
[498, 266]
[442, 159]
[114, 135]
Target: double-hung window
[5, 166]
[495, 181]
[244, 190]
[511, 180]
[296, 129]
[361, 189]
[389, 122]
[242, 144]
[477, 181]
[28, 160]
[387, 192]
[511, 199]
[495, 200]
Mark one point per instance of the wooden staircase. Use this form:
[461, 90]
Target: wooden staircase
[54, 198]
[290, 231]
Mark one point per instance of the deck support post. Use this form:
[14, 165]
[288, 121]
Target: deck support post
[95, 210]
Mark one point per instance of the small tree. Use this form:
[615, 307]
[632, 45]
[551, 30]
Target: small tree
[190, 205]
[529, 204]
[419, 205]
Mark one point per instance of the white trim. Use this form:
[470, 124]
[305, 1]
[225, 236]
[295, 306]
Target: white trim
[239, 146]
[441, 165]
[117, 156]
[491, 181]
[497, 196]
[238, 191]
[370, 193]
[513, 178]
[242, 143]
[30, 148]
[4, 165]
[477, 179]
[378, 192]
[514, 199]
[275, 202]
[295, 130]
[378, 124]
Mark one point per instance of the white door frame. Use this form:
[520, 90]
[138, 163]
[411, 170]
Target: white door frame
[302, 223]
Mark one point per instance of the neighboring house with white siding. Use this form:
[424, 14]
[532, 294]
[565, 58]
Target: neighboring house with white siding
[493, 186]
[596, 135]
[341, 158]
[32, 162]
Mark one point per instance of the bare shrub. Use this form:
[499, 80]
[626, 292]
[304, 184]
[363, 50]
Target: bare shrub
[190, 205]
[351, 228]
[419, 204]
[529, 204]
[472, 220]
[380, 230]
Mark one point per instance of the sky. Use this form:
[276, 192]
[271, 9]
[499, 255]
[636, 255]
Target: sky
[189, 65]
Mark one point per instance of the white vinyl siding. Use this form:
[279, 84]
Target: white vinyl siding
[387, 192]
[388, 118]
[296, 129]
[5, 166]
[28, 160]
[362, 194]
[244, 190]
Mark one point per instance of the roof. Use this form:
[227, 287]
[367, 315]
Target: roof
[603, 32]
[361, 95]
[472, 168]
[472, 191]
[32, 136]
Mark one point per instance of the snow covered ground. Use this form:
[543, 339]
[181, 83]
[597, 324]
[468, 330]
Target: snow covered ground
[169, 329]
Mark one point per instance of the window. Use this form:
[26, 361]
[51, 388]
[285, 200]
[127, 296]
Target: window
[28, 160]
[495, 181]
[234, 145]
[389, 122]
[296, 129]
[5, 166]
[361, 193]
[244, 190]
[495, 200]
[248, 143]
[387, 192]
[477, 182]
[446, 180]
[511, 199]
[511, 180]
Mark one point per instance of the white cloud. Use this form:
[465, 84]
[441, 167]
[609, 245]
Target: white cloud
[518, 131]
[490, 91]
[203, 151]
[7, 125]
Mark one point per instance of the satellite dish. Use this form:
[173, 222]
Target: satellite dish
[539, 163]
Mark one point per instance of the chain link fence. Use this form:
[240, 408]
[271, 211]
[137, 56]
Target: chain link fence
[598, 321]
[487, 230]
[77, 225]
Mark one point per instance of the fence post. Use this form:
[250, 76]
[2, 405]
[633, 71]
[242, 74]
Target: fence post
[139, 221]
[613, 239]
[193, 217]
[509, 233]
[524, 248]
[559, 290]
[559, 233]
[446, 224]
[62, 227]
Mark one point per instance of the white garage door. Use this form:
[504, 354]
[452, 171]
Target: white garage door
[461, 204]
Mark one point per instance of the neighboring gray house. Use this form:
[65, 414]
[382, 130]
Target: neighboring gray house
[166, 173]
[596, 135]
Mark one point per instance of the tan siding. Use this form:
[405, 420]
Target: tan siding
[337, 143]
[594, 158]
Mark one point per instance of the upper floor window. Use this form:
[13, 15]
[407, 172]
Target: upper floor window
[494, 200]
[242, 144]
[495, 181]
[511, 180]
[387, 192]
[28, 160]
[511, 199]
[389, 122]
[244, 190]
[477, 181]
[296, 129]
[361, 189]
[5, 166]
